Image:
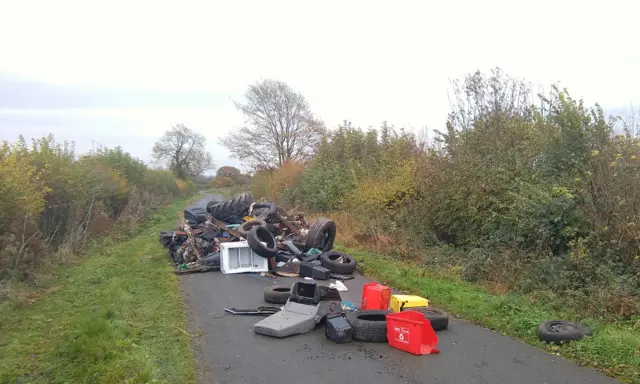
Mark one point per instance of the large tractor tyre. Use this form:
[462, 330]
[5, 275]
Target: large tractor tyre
[210, 205]
[233, 210]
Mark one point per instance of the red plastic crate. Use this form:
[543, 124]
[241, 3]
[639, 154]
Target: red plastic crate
[375, 296]
[411, 332]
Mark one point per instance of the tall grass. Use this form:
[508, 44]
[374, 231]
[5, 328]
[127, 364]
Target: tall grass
[52, 201]
[531, 193]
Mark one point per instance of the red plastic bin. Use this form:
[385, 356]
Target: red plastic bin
[375, 296]
[411, 332]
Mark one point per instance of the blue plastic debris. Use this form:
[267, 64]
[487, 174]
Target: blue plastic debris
[348, 306]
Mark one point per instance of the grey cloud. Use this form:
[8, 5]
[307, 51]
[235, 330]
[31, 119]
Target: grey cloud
[16, 92]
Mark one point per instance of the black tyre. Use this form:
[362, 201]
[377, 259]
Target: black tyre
[277, 294]
[210, 205]
[272, 228]
[369, 325]
[260, 234]
[246, 226]
[321, 235]
[438, 318]
[231, 211]
[561, 330]
[265, 210]
[346, 267]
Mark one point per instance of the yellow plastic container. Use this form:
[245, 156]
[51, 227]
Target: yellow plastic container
[398, 302]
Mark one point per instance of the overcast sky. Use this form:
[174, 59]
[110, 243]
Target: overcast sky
[122, 72]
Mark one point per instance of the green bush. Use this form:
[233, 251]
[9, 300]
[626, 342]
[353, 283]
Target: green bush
[52, 202]
[539, 196]
[324, 186]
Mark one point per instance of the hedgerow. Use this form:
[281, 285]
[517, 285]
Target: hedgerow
[53, 201]
[536, 194]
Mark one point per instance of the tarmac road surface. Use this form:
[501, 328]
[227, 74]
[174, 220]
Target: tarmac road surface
[228, 352]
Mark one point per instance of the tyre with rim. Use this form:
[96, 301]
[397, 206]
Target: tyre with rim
[330, 261]
[557, 331]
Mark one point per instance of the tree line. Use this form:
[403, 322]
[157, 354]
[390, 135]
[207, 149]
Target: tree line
[280, 128]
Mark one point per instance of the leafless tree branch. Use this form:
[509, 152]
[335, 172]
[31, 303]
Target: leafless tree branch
[183, 151]
[279, 127]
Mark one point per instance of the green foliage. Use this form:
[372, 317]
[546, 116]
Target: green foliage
[541, 187]
[22, 191]
[51, 200]
[128, 167]
[612, 348]
[324, 186]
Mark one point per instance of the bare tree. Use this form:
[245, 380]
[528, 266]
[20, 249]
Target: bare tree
[183, 151]
[279, 127]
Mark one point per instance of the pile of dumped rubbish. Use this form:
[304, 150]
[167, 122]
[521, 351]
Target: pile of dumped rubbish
[406, 322]
[240, 235]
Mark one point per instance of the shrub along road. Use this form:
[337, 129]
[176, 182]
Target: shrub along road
[229, 352]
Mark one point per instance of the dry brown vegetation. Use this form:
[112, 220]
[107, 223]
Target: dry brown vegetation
[527, 193]
[52, 202]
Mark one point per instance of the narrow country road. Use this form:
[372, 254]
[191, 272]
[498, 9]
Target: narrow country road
[228, 352]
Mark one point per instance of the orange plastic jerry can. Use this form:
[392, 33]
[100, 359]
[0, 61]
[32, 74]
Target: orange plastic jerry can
[375, 296]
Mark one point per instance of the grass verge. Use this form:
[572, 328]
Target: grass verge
[613, 348]
[116, 316]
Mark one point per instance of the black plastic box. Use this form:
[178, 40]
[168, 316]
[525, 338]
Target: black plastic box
[314, 271]
[337, 329]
